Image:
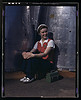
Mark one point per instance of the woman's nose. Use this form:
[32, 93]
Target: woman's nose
[45, 32]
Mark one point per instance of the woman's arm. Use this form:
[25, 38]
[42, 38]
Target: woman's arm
[27, 54]
[47, 51]
[33, 50]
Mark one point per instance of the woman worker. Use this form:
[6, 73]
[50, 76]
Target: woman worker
[39, 59]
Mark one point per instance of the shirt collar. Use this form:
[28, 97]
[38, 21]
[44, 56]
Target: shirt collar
[44, 41]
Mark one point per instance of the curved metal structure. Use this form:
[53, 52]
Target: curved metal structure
[20, 33]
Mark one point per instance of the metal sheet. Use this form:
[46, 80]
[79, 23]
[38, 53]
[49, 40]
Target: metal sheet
[18, 35]
[20, 30]
[63, 26]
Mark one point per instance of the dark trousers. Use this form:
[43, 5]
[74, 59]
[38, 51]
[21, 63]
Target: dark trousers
[35, 65]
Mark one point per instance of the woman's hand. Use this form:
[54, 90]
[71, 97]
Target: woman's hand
[27, 55]
[24, 55]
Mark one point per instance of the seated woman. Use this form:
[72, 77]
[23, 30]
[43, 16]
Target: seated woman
[41, 61]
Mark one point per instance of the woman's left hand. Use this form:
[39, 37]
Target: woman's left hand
[29, 55]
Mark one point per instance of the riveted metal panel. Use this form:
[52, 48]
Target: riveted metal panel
[63, 26]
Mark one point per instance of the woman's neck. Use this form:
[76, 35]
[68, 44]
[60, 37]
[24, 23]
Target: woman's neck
[43, 39]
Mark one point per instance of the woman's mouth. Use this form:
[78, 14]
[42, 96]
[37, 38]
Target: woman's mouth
[44, 35]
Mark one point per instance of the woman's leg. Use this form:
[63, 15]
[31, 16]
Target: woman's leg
[24, 64]
[36, 65]
[32, 67]
[46, 66]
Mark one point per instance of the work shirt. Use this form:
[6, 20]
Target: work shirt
[41, 46]
[50, 43]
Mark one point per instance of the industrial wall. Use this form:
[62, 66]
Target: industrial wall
[20, 33]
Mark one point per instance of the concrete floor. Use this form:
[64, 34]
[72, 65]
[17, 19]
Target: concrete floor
[65, 87]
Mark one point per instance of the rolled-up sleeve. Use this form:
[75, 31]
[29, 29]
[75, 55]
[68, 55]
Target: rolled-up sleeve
[51, 44]
[35, 46]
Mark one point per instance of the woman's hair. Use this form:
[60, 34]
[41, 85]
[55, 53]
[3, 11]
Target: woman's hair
[41, 26]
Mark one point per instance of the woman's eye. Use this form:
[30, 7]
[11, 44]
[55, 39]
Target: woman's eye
[42, 32]
[45, 31]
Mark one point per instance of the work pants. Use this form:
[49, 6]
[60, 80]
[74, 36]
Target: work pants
[36, 65]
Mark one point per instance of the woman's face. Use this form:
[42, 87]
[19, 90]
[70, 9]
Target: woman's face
[44, 33]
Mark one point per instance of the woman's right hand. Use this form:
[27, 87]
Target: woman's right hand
[24, 55]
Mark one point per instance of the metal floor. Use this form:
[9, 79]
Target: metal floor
[64, 87]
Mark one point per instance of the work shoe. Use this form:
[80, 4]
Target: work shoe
[22, 79]
[27, 80]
